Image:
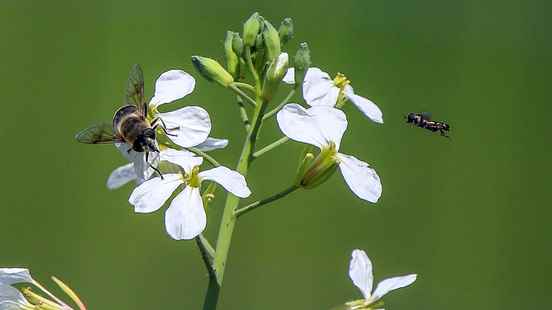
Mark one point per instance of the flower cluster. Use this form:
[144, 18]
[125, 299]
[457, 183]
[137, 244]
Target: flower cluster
[257, 68]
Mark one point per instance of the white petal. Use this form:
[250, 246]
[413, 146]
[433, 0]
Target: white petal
[367, 107]
[186, 218]
[318, 125]
[360, 272]
[9, 276]
[186, 160]
[212, 144]
[319, 89]
[142, 169]
[172, 85]
[191, 125]
[231, 180]
[362, 180]
[121, 176]
[390, 284]
[11, 298]
[289, 78]
[152, 194]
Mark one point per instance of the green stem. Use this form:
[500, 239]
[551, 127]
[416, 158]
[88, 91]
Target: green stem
[245, 86]
[241, 211]
[228, 221]
[207, 157]
[270, 147]
[279, 107]
[207, 253]
[243, 114]
[238, 91]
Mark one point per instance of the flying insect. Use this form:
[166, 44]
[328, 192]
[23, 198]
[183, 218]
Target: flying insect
[423, 120]
[130, 124]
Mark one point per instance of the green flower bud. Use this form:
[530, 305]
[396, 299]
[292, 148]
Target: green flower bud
[302, 60]
[212, 70]
[237, 44]
[321, 169]
[271, 41]
[276, 71]
[232, 60]
[286, 30]
[251, 28]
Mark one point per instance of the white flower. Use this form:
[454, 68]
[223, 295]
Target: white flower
[320, 89]
[10, 297]
[360, 272]
[127, 173]
[185, 218]
[323, 127]
[187, 127]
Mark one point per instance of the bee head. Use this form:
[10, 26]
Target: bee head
[146, 141]
[149, 139]
[410, 117]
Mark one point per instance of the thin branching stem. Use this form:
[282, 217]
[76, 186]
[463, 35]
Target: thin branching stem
[259, 203]
[207, 253]
[279, 107]
[245, 86]
[207, 157]
[269, 147]
[243, 113]
[238, 91]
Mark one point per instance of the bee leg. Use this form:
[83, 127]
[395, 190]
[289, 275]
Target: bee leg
[163, 127]
[153, 167]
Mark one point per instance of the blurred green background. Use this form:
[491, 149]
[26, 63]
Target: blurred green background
[470, 215]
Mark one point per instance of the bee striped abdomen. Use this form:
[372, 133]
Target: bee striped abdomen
[128, 123]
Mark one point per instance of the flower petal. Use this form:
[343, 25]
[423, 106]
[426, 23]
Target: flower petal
[367, 107]
[191, 125]
[289, 78]
[9, 276]
[142, 169]
[172, 85]
[318, 125]
[152, 194]
[360, 272]
[231, 180]
[362, 180]
[319, 89]
[11, 298]
[390, 284]
[121, 176]
[212, 144]
[186, 218]
[186, 160]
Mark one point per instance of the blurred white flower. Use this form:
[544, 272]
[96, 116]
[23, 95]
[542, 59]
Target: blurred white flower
[10, 297]
[185, 218]
[323, 127]
[320, 89]
[360, 272]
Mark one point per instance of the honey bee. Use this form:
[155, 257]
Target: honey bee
[423, 120]
[130, 123]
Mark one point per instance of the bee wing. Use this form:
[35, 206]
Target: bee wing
[426, 115]
[97, 134]
[135, 90]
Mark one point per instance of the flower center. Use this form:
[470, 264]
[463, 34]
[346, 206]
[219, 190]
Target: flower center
[341, 81]
[192, 178]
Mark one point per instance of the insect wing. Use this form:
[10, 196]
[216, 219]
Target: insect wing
[97, 134]
[426, 115]
[135, 89]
